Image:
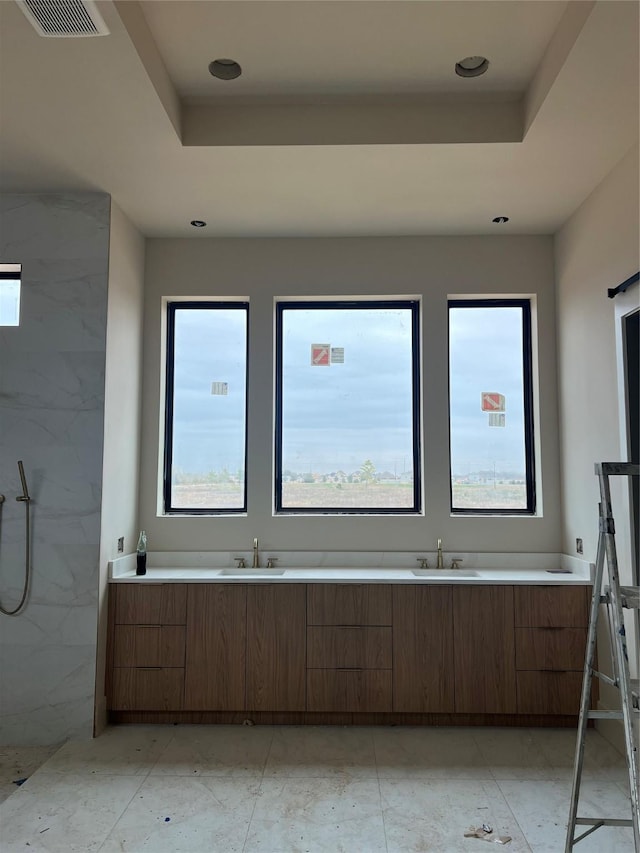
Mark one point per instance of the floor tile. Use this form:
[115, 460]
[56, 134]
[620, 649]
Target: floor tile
[428, 753]
[542, 810]
[119, 751]
[513, 753]
[317, 816]
[601, 759]
[66, 813]
[20, 762]
[177, 815]
[326, 751]
[433, 815]
[216, 751]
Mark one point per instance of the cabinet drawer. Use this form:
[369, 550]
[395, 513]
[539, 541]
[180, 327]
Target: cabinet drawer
[550, 648]
[552, 606]
[148, 645]
[336, 647]
[158, 689]
[349, 690]
[549, 692]
[349, 604]
[150, 604]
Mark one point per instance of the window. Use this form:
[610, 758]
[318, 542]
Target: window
[10, 294]
[491, 406]
[347, 407]
[205, 417]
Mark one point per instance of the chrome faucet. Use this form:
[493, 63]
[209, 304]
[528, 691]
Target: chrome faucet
[256, 556]
[440, 563]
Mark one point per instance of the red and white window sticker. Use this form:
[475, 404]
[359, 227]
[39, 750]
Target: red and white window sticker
[320, 355]
[492, 401]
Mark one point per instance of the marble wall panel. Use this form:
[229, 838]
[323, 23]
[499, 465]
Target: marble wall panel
[52, 417]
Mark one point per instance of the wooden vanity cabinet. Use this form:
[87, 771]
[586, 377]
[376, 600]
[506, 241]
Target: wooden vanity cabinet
[148, 647]
[349, 648]
[550, 639]
[225, 652]
[423, 658]
[484, 654]
[216, 647]
[276, 645]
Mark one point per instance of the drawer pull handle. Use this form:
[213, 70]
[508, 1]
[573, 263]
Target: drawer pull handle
[150, 668]
[349, 669]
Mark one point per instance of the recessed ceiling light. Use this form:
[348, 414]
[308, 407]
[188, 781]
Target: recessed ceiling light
[500, 219]
[472, 66]
[225, 69]
[198, 223]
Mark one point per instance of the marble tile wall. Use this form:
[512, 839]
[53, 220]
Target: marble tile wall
[52, 417]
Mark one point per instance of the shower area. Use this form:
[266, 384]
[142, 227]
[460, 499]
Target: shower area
[52, 389]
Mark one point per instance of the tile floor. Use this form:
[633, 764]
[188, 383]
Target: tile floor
[239, 789]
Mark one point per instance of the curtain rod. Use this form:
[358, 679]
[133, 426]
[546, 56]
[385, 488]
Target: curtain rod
[614, 291]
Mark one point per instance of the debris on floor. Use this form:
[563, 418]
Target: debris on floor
[486, 833]
[19, 782]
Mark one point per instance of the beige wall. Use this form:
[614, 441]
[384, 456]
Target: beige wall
[596, 249]
[123, 384]
[431, 267]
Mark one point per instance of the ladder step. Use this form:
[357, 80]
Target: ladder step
[609, 715]
[603, 821]
[630, 597]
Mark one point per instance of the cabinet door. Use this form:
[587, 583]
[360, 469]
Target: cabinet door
[150, 604]
[423, 674]
[334, 647]
[365, 690]
[349, 604]
[276, 647]
[549, 692]
[147, 689]
[550, 648]
[148, 645]
[216, 647]
[485, 669]
[552, 606]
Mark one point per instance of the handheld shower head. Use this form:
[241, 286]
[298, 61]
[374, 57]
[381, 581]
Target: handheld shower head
[25, 491]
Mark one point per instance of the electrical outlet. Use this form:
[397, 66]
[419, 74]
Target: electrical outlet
[121, 545]
[579, 546]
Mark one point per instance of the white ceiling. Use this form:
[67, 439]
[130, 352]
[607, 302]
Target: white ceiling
[314, 48]
[347, 120]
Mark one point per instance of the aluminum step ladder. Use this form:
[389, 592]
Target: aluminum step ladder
[616, 599]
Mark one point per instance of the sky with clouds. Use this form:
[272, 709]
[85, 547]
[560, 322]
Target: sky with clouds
[335, 417]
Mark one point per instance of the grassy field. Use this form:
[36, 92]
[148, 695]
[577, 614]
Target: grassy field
[348, 495]
[351, 495]
[485, 496]
[199, 495]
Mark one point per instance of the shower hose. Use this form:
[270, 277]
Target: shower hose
[24, 498]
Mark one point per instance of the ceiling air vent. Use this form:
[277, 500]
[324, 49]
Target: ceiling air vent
[64, 18]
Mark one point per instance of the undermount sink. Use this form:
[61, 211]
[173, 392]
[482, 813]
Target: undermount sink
[444, 573]
[252, 573]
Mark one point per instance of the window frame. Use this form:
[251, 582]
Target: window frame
[167, 462]
[528, 404]
[7, 274]
[413, 304]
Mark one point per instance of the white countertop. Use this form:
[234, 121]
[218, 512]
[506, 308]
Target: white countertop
[353, 567]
